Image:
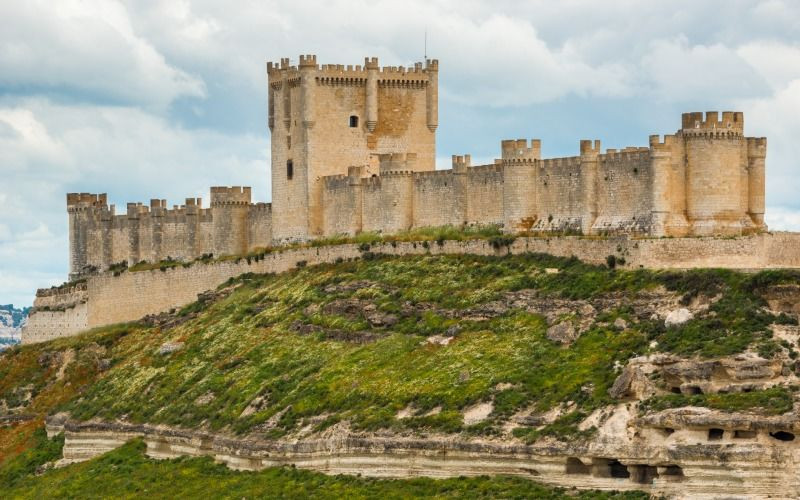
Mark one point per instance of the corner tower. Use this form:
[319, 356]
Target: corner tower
[325, 119]
[724, 174]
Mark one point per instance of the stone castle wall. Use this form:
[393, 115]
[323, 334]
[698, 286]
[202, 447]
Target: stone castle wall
[353, 150]
[705, 180]
[58, 312]
[129, 296]
[100, 238]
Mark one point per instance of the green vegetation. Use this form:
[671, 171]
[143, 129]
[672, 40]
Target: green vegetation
[284, 352]
[127, 473]
[735, 321]
[40, 452]
[354, 343]
[248, 347]
[773, 401]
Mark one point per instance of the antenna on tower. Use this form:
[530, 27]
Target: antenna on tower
[425, 58]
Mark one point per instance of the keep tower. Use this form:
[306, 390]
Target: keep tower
[326, 118]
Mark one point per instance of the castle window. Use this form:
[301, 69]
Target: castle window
[353, 121]
[289, 169]
[288, 142]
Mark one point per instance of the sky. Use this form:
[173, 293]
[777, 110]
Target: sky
[152, 99]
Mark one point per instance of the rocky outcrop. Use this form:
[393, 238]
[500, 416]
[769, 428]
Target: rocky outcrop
[783, 298]
[740, 373]
[626, 454]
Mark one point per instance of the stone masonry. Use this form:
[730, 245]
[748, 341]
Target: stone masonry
[354, 147]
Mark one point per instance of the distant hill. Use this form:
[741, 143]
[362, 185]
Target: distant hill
[11, 321]
[17, 315]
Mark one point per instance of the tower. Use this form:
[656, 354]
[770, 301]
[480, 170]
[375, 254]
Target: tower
[85, 213]
[721, 167]
[326, 118]
[229, 208]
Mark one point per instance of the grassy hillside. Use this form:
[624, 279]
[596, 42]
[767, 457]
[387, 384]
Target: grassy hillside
[358, 342]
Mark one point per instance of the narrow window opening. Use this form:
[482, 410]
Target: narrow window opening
[353, 121]
[715, 434]
[782, 436]
[288, 142]
[289, 169]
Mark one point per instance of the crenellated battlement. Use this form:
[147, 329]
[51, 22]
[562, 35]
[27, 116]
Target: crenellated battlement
[657, 145]
[389, 162]
[235, 195]
[519, 161]
[461, 161]
[625, 155]
[587, 148]
[733, 120]
[308, 61]
[392, 174]
[519, 148]
[341, 74]
[86, 199]
[560, 163]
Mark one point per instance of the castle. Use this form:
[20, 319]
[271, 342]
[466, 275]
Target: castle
[353, 150]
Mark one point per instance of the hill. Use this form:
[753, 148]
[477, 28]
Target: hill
[551, 356]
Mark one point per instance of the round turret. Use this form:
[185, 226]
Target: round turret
[229, 209]
[716, 172]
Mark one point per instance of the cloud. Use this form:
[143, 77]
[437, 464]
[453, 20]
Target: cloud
[675, 70]
[776, 117]
[87, 48]
[783, 218]
[129, 153]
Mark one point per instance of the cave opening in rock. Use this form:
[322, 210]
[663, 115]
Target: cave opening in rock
[618, 470]
[667, 431]
[575, 466]
[675, 390]
[694, 390]
[782, 435]
[715, 434]
[740, 434]
[644, 474]
[672, 471]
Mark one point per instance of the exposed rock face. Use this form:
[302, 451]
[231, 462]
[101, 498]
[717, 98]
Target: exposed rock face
[626, 454]
[170, 347]
[740, 373]
[678, 317]
[562, 332]
[784, 298]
